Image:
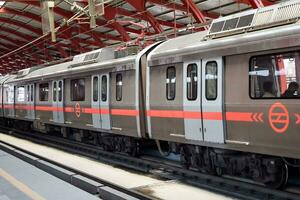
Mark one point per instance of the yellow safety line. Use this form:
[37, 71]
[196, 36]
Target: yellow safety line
[22, 187]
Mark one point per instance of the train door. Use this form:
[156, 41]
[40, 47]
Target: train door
[192, 100]
[8, 100]
[1, 101]
[104, 101]
[11, 100]
[212, 100]
[96, 102]
[100, 101]
[30, 93]
[58, 101]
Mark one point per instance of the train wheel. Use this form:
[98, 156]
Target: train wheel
[281, 178]
[185, 156]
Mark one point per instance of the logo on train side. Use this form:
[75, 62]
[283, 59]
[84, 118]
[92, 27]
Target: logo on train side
[77, 110]
[279, 117]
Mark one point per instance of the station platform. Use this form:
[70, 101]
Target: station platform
[144, 183]
[21, 181]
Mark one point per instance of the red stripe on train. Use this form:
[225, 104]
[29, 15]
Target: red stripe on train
[44, 108]
[212, 115]
[230, 116]
[95, 111]
[184, 114]
[174, 114]
[239, 116]
[124, 112]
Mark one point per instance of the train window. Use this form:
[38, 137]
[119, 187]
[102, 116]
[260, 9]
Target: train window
[192, 82]
[119, 85]
[60, 90]
[54, 91]
[44, 91]
[211, 80]
[104, 88]
[77, 90]
[31, 93]
[275, 76]
[28, 93]
[95, 88]
[171, 83]
[21, 94]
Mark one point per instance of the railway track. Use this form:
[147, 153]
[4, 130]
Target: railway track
[157, 167]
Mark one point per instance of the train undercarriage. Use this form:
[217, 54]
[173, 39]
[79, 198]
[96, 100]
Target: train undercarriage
[271, 171]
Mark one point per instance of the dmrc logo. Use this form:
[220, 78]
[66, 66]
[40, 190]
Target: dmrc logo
[77, 110]
[279, 117]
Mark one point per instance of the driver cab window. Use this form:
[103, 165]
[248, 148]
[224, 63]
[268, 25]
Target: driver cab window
[275, 76]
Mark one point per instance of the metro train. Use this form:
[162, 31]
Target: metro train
[226, 100]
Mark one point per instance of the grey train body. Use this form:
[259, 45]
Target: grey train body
[203, 97]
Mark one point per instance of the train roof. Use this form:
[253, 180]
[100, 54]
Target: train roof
[191, 45]
[256, 32]
[90, 61]
[6, 77]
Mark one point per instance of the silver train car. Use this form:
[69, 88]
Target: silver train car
[226, 100]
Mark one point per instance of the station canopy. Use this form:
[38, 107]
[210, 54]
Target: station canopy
[37, 32]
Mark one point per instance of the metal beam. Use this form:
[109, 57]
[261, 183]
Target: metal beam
[17, 33]
[110, 14]
[142, 17]
[256, 3]
[180, 7]
[11, 40]
[29, 38]
[38, 19]
[193, 8]
[36, 31]
[140, 6]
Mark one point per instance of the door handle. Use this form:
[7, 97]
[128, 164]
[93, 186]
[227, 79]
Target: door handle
[204, 130]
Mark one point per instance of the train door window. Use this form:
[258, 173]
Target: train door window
[119, 85]
[31, 93]
[104, 89]
[211, 80]
[192, 82]
[77, 90]
[28, 93]
[21, 94]
[44, 91]
[60, 91]
[275, 76]
[95, 88]
[54, 91]
[171, 83]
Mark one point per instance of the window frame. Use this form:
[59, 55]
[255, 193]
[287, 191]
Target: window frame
[187, 91]
[106, 88]
[72, 91]
[47, 92]
[17, 93]
[249, 76]
[31, 92]
[95, 93]
[54, 91]
[217, 71]
[119, 97]
[168, 88]
[60, 90]
[28, 91]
